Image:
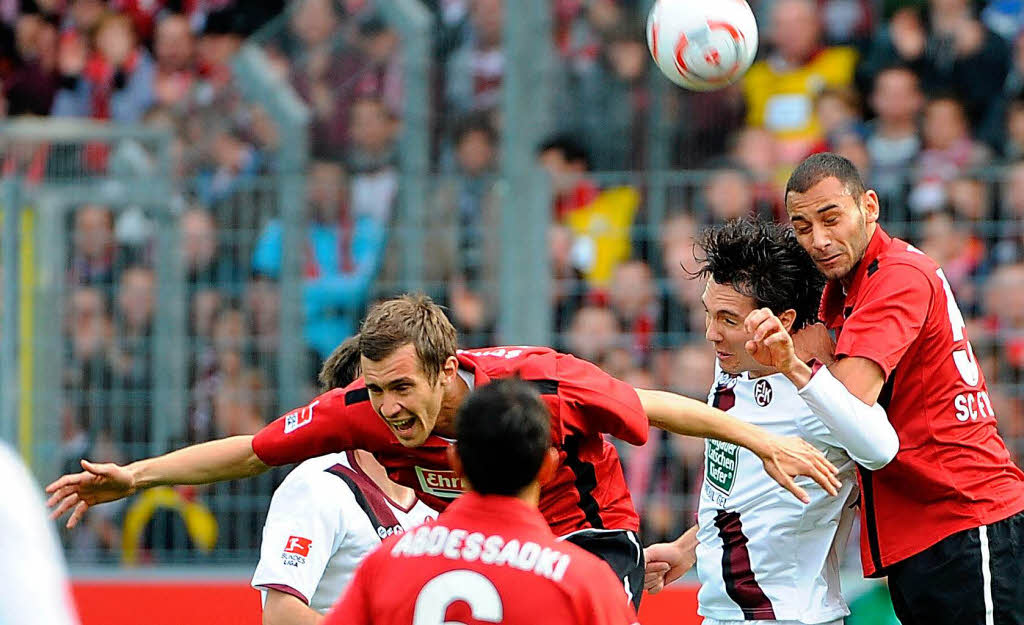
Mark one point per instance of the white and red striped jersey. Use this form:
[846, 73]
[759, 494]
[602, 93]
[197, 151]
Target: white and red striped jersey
[762, 554]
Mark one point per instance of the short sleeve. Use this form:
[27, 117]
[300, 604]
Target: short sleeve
[355, 606]
[303, 528]
[887, 317]
[597, 402]
[317, 428]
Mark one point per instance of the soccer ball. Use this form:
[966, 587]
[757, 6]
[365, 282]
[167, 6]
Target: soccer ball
[702, 45]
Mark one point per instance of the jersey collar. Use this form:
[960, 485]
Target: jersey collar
[507, 510]
[833, 300]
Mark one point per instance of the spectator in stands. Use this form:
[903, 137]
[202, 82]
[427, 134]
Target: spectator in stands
[893, 136]
[959, 252]
[220, 39]
[233, 164]
[114, 82]
[381, 73]
[1010, 245]
[92, 255]
[568, 285]
[633, 297]
[781, 89]
[205, 263]
[567, 163]
[729, 194]
[30, 79]
[341, 256]
[89, 330]
[175, 73]
[949, 49]
[948, 150]
[580, 28]
[970, 201]
[462, 236]
[1004, 305]
[611, 106]
[838, 110]
[594, 333]
[758, 151]
[683, 309]
[135, 296]
[263, 305]
[474, 71]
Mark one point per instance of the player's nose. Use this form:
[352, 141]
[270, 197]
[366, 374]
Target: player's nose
[712, 334]
[389, 408]
[820, 238]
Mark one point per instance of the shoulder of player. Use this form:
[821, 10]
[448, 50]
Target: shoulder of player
[311, 477]
[903, 265]
[506, 360]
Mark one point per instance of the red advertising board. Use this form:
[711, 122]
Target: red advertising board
[120, 602]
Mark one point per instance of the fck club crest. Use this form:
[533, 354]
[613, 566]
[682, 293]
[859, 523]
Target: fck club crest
[763, 393]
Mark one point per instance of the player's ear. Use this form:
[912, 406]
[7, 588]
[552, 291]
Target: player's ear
[454, 461]
[870, 205]
[548, 466]
[787, 318]
[450, 369]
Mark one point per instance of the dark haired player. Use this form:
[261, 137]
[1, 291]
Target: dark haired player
[762, 557]
[944, 519]
[490, 557]
[403, 411]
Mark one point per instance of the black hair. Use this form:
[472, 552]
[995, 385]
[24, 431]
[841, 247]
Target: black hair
[573, 151]
[818, 167]
[763, 260]
[475, 122]
[342, 367]
[503, 433]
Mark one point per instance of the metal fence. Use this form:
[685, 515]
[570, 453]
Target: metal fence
[167, 287]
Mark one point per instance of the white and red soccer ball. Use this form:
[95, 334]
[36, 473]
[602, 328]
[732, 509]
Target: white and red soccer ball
[702, 45]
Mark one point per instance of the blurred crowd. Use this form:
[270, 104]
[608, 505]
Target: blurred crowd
[925, 96]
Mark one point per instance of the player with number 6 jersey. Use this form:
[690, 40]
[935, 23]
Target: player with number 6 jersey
[490, 557]
[944, 519]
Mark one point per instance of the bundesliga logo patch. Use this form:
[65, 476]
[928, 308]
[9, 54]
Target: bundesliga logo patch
[440, 483]
[296, 550]
[299, 418]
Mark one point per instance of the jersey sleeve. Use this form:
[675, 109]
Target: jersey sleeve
[888, 316]
[305, 524]
[598, 402]
[318, 428]
[355, 606]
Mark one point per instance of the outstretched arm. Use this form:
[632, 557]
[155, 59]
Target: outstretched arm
[783, 457]
[215, 461]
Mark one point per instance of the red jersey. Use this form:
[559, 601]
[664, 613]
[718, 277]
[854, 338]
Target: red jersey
[487, 559]
[953, 472]
[587, 491]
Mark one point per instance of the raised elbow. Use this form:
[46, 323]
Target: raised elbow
[889, 446]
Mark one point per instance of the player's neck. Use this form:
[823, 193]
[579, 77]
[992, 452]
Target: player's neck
[404, 497]
[530, 494]
[453, 398]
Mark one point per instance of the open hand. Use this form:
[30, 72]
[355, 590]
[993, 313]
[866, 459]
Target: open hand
[785, 457]
[99, 483]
